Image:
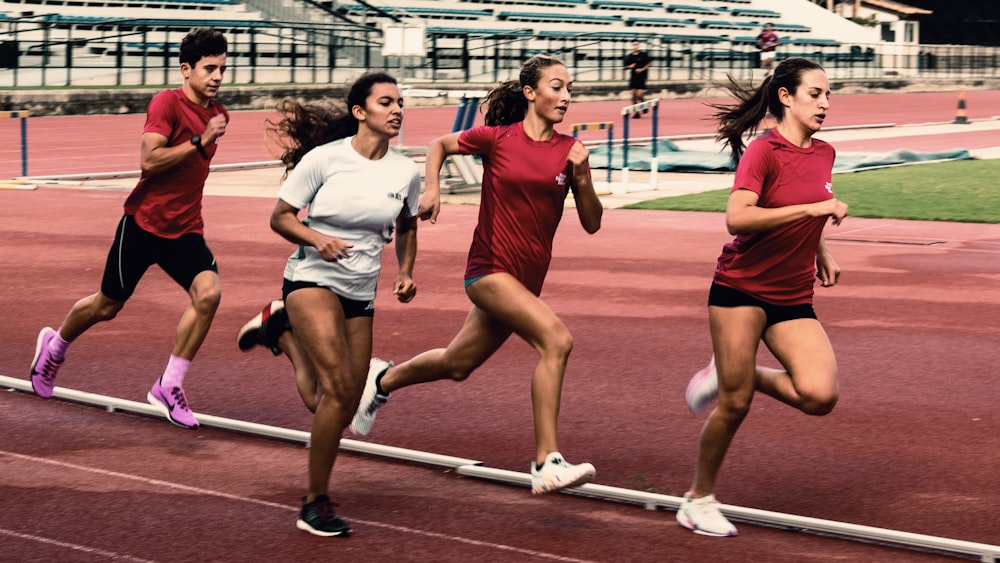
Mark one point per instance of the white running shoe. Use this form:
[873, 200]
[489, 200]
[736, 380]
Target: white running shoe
[556, 474]
[371, 400]
[702, 515]
[703, 388]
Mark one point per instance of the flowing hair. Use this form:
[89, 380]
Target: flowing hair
[754, 103]
[305, 126]
[506, 103]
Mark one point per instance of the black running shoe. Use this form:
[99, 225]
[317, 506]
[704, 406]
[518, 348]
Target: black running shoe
[265, 328]
[317, 517]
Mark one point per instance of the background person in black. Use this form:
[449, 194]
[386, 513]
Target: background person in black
[638, 61]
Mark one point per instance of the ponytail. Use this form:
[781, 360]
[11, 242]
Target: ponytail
[754, 103]
[506, 103]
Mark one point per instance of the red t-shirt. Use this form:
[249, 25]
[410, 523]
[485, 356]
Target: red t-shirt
[779, 266]
[768, 41]
[525, 183]
[168, 203]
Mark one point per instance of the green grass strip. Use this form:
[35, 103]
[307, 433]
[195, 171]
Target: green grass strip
[965, 191]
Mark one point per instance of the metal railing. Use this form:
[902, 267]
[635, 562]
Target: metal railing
[58, 51]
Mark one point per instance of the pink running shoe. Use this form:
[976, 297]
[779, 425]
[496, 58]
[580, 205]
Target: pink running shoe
[44, 367]
[703, 388]
[173, 403]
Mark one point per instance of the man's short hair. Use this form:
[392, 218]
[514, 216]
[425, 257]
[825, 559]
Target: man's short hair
[200, 43]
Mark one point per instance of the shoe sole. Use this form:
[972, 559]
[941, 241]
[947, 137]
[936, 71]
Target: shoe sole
[688, 524]
[366, 398]
[581, 480]
[304, 526]
[166, 412]
[245, 338]
[693, 406]
[250, 334]
[34, 363]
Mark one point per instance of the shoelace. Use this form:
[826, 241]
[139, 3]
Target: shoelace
[377, 402]
[325, 510]
[49, 369]
[178, 394]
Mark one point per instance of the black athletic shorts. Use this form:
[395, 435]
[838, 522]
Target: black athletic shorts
[351, 307]
[135, 250]
[722, 296]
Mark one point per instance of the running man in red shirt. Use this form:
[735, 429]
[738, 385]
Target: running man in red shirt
[162, 224]
[528, 170]
[781, 200]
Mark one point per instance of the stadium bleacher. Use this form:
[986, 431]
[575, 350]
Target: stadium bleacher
[596, 31]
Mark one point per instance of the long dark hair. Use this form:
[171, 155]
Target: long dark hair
[506, 103]
[754, 103]
[305, 126]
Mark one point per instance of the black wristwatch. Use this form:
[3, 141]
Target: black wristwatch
[196, 141]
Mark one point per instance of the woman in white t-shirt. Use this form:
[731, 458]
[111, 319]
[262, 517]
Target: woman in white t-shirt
[358, 191]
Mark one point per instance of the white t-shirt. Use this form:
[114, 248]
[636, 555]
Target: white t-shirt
[356, 200]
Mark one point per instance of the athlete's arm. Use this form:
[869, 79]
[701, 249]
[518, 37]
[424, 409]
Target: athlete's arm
[827, 269]
[406, 253]
[743, 216]
[439, 149]
[588, 205]
[285, 222]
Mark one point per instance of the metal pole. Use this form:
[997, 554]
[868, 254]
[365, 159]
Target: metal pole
[24, 145]
[476, 469]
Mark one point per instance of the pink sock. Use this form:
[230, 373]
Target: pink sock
[177, 368]
[58, 347]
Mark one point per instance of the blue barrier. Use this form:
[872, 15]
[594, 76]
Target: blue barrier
[23, 116]
[577, 127]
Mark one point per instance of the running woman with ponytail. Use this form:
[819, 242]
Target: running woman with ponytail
[528, 171]
[358, 190]
[781, 200]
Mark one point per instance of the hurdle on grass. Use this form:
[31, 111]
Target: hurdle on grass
[577, 127]
[23, 116]
[627, 112]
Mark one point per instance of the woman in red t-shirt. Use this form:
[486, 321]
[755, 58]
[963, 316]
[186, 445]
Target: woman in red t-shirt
[781, 200]
[528, 170]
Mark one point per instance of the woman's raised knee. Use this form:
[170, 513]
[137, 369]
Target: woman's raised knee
[819, 404]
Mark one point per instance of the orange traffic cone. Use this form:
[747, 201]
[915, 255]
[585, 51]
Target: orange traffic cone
[960, 115]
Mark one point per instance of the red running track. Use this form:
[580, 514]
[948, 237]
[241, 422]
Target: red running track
[110, 143]
[912, 446]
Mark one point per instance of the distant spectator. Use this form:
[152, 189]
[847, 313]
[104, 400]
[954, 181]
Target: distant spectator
[768, 41]
[638, 62]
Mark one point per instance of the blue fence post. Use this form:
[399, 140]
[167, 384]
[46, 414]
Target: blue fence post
[460, 115]
[577, 127]
[23, 116]
[470, 113]
[624, 141]
[656, 123]
[24, 144]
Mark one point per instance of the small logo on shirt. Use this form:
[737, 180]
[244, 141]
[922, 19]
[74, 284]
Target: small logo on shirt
[561, 179]
[395, 196]
[829, 187]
